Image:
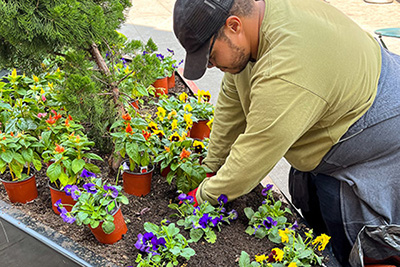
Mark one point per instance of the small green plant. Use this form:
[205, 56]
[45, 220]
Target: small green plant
[295, 253]
[200, 107]
[131, 138]
[18, 152]
[96, 203]
[163, 244]
[203, 219]
[269, 218]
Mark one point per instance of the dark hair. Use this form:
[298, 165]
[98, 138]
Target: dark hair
[240, 8]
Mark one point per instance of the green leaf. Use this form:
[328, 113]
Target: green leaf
[108, 227]
[92, 156]
[175, 250]
[249, 212]
[18, 157]
[244, 260]
[260, 233]
[196, 234]
[151, 227]
[53, 172]
[250, 230]
[92, 168]
[7, 156]
[77, 165]
[132, 149]
[187, 253]
[94, 223]
[211, 237]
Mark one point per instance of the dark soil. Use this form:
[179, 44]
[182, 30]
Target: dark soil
[231, 241]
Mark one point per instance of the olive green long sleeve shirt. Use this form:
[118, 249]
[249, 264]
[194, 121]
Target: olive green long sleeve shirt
[316, 73]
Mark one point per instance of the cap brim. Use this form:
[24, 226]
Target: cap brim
[196, 63]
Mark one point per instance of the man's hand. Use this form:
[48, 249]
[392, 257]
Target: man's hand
[210, 174]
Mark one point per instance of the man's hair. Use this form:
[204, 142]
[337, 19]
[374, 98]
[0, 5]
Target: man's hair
[240, 8]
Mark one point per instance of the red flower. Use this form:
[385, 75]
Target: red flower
[69, 117]
[126, 117]
[184, 154]
[51, 120]
[146, 134]
[59, 149]
[129, 129]
[12, 134]
[66, 123]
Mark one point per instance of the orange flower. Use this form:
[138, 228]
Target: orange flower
[166, 148]
[129, 129]
[126, 117]
[12, 134]
[66, 123]
[51, 120]
[184, 154]
[59, 149]
[69, 117]
[146, 134]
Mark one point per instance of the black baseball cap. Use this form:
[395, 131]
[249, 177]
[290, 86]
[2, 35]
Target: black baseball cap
[195, 22]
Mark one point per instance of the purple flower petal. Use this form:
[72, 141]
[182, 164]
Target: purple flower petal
[265, 190]
[222, 199]
[111, 191]
[90, 188]
[87, 174]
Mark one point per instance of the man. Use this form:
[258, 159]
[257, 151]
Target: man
[304, 82]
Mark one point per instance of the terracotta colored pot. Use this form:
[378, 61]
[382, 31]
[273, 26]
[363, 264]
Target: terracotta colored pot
[57, 194]
[138, 184]
[161, 86]
[135, 104]
[21, 191]
[165, 172]
[116, 235]
[380, 265]
[171, 81]
[200, 130]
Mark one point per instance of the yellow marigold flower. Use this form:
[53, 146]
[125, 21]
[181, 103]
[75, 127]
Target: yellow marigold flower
[292, 264]
[323, 240]
[175, 137]
[172, 114]
[188, 108]
[174, 124]
[278, 254]
[210, 122]
[261, 258]
[161, 113]
[284, 235]
[183, 97]
[35, 78]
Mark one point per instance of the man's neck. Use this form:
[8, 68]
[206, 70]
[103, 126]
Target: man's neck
[256, 19]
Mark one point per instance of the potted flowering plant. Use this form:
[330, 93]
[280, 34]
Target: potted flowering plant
[17, 155]
[132, 139]
[98, 206]
[169, 64]
[202, 114]
[180, 156]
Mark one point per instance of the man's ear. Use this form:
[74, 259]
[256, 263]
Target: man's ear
[233, 24]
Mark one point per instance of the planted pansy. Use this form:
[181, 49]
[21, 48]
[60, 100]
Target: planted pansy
[153, 126]
[67, 216]
[161, 112]
[198, 146]
[90, 188]
[183, 97]
[73, 191]
[111, 191]
[175, 137]
[222, 199]
[266, 189]
[269, 223]
[86, 174]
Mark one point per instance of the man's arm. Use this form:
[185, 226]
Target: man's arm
[229, 122]
[280, 113]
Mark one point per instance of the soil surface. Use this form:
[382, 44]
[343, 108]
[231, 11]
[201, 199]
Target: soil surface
[231, 240]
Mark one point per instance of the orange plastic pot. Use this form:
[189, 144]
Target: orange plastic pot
[161, 86]
[137, 184]
[171, 81]
[21, 191]
[57, 194]
[165, 172]
[116, 235]
[200, 130]
[135, 104]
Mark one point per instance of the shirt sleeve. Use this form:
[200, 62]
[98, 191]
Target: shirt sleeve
[280, 113]
[229, 122]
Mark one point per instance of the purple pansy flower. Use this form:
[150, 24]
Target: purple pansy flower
[216, 220]
[203, 221]
[86, 174]
[171, 51]
[265, 190]
[73, 191]
[233, 215]
[294, 226]
[160, 57]
[67, 217]
[57, 204]
[195, 210]
[111, 191]
[145, 53]
[222, 199]
[148, 242]
[269, 223]
[90, 188]
[256, 228]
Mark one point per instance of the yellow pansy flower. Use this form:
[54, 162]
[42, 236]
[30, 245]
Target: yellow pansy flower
[210, 122]
[172, 114]
[284, 235]
[206, 96]
[161, 113]
[175, 137]
[188, 108]
[153, 126]
[292, 264]
[174, 124]
[183, 97]
[42, 91]
[323, 240]
[278, 254]
[261, 258]
[127, 70]
[50, 85]
[184, 135]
